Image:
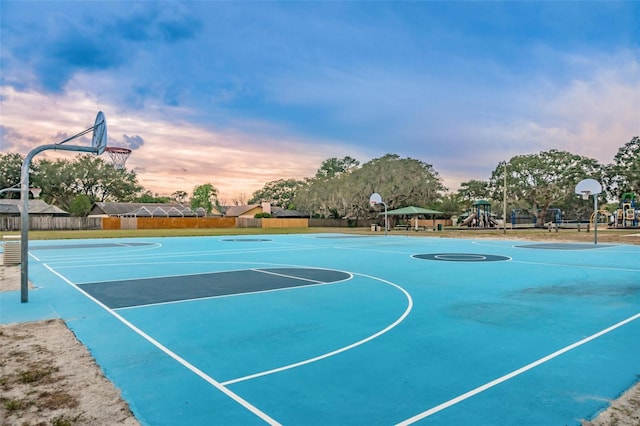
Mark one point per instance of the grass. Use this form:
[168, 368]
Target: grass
[33, 382]
[11, 404]
[65, 420]
[56, 400]
[127, 233]
[37, 373]
[604, 235]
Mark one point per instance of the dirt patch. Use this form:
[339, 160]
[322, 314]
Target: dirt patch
[624, 411]
[47, 377]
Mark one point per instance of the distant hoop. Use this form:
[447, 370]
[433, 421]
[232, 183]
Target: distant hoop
[118, 156]
[585, 194]
[590, 186]
[375, 199]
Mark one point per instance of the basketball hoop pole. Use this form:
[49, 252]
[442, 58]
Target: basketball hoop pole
[585, 196]
[99, 143]
[24, 214]
[595, 218]
[386, 221]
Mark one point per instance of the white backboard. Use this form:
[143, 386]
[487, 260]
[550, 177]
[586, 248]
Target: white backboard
[375, 198]
[591, 186]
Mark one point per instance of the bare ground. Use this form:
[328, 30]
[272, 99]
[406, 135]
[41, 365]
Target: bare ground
[47, 377]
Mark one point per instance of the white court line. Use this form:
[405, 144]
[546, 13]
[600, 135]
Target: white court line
[187, 274]
[340, 350]
[226, 296]
[290, 276]
[109, 258]
[223, 296]
[514, 373]
[115, 254]
[237, 398]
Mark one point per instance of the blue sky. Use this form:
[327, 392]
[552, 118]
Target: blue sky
[241, 93]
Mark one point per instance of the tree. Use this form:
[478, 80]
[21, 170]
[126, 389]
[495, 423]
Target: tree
[624, 174]
[10, 170]
[80, 206]
[63, 180]
[400, 181]
[180, 196]
[239, 200]
[205, 196]
[332, 167]
[149, 197]
[543, 179]
[449, 205]
[473, 190]
[278, 192]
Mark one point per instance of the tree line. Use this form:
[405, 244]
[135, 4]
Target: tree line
[533, 182]
[341, 186]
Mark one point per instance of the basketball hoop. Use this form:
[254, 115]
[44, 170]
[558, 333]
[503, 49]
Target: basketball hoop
[118, 156]
[588, 187]
[376, 199]
[98, 145]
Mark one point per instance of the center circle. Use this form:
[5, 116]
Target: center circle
[461, 257]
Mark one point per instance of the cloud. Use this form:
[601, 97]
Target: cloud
[240, 94]
[168, 22]
[169, 154]
[132, 142]
[592, 114]
[61, 44]
[13, 139]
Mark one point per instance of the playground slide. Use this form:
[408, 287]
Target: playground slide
[468, 220]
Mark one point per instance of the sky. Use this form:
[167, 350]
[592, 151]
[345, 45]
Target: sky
[238, 94]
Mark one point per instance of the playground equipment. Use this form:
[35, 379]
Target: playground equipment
[522, 217]
[526, 218]
[603, 217]
[628, 213]
[480, 216]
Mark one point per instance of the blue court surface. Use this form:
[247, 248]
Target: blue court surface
[336, 329]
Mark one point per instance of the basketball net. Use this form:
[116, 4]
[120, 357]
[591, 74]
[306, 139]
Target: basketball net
[585, 195]
[118, 156]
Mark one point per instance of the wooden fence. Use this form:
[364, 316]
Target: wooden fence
[285, 223]
[42, 223]
[248, 222]
[51, 223]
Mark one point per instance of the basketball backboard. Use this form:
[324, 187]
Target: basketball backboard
[99, 139]
[375, 199]
[588, 187]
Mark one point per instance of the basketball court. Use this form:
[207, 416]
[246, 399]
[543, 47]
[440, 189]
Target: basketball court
[328, 329]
